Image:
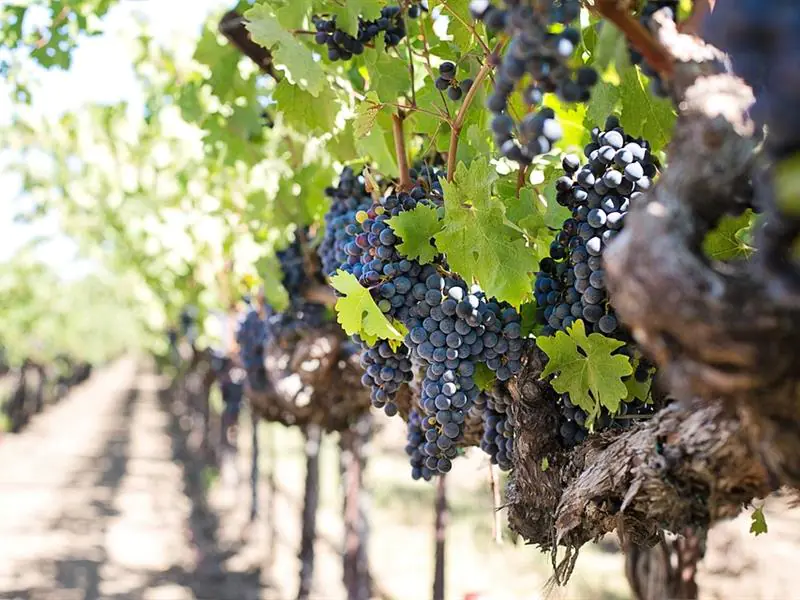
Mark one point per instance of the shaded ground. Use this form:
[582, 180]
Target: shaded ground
[94, 505]
[102, 498]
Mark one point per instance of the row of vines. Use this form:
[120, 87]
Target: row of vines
[559, 231]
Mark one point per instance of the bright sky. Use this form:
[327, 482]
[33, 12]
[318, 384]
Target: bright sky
[101, 72]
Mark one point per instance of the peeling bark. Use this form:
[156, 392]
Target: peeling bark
[724, 337]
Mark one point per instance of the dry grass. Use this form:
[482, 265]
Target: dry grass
[401, 545]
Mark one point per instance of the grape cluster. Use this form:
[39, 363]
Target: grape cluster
[415, 439]
[300, 315]
[541, 46]
[385, 370]
[650, 8]
[571, 283]
[498, 431]
[382, 267]
[251, 337]
[343, 46]
[337, 250]
[452, 328]
[448, 82]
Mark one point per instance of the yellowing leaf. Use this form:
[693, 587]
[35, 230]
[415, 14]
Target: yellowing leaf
[584, 365]
[417, 228]
[357, 312]
[759, 524]
[366, 113]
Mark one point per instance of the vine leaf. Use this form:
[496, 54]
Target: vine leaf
[584, 365]
[459, 19]
[484, 377]
[388, 75]
[304, 112]
[269, 269]
[417, 228]
[729, 238]
[759, 523]
[479, 242]
[357, 312]
[604, 101]
[366, 114]
[287, 51]
[347, 13]
[642, 113]
[638, 390]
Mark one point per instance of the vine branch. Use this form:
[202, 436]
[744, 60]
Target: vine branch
[641, 39]
[400, 151]
[458, 122]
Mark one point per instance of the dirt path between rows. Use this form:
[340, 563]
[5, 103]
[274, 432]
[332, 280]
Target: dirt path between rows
[99, 501]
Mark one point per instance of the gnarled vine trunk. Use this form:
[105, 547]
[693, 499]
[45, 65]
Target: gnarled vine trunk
[724, 336]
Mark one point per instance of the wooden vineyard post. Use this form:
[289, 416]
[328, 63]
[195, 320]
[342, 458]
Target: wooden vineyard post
[353, 459]
[313, 435]
[441, 534]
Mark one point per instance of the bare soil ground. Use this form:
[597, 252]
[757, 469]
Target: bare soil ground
[102, 497]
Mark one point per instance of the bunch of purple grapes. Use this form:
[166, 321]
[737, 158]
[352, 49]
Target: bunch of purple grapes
[498, 430]
[251, 337]
[337, 250]
[570, 286]
[571, 283]
[343, 46]
[451, 326]
[385, 370]
[541, 48]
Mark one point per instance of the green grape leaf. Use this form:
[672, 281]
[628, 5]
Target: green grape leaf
[479, 242]
[343, 144]
[378, 144]
[638, 390]
[347, 13]
[292, 14]
[366, 113]
[417, 229]
[433, 119]
[388, 75]
[544, 464]
[303, 111]
[759, 522]
[585, 368]
[642, 113]
[484, 377]
[527, 312]
[269, 269]
[523, 210]
[460, 21]
[287, 51]
[357, 312]
[603, 103]
[610, 43]
[730, 238]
